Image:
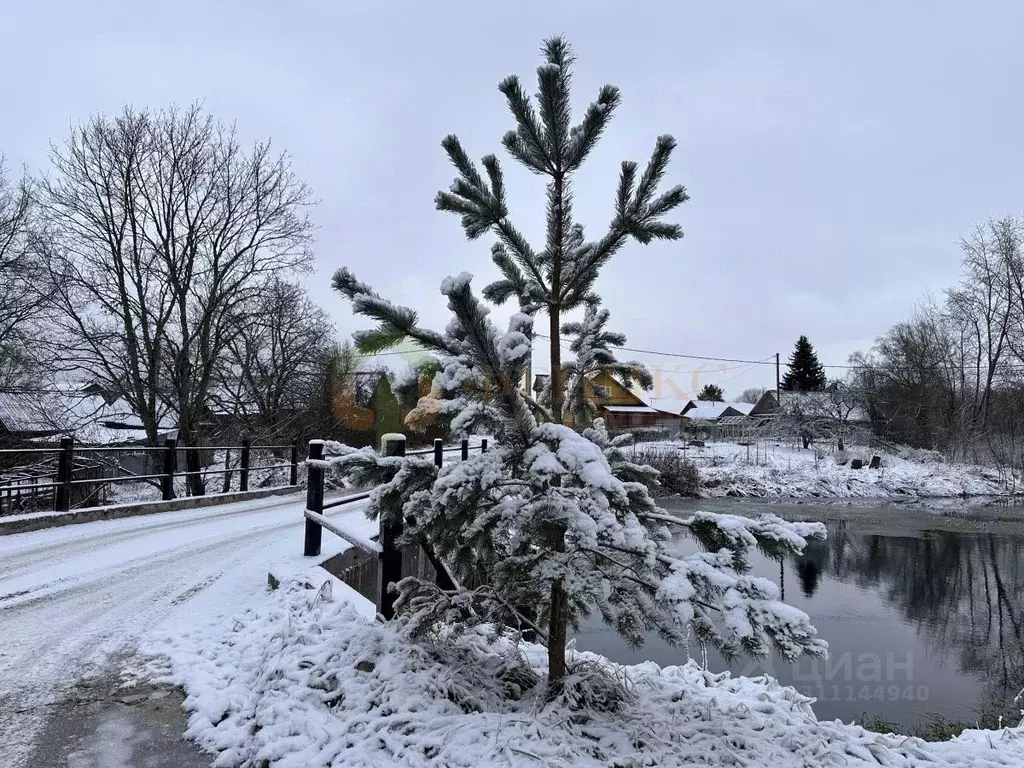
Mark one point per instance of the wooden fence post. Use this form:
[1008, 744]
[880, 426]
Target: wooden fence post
[391, 554]
[167, 481]
[314, 499]
[294, 478]
[243, 471]
[443, 578]
[62, 499]
[483, 444]
[465, 449]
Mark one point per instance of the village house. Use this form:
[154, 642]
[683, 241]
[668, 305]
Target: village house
[708, 411]
[620, 408]
[90, 416]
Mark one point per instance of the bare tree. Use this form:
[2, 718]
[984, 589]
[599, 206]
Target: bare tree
[985, 304]
[161, 226]
[20, 300]
[936, 379]
[270, 367]
[751, 394]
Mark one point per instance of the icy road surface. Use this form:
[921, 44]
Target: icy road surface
[70, 597]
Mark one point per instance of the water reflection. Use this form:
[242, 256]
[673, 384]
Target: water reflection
[918, 622]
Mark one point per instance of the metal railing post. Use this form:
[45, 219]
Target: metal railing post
[170, 456]
[314, 499]
[243, 472]
[465, 449]
[390, 571]
[438, 452]
[294, 477]
[62, 499]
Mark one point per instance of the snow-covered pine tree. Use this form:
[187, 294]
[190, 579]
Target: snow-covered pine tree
[495, 513]
[592, 345]
[560, 277]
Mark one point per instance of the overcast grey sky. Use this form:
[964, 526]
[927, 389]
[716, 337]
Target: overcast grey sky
[834, 151]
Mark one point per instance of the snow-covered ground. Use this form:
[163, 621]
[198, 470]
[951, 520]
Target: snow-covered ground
[301, 676]
[277, 476]
[772, 470]
[71, 596]
[305, 678]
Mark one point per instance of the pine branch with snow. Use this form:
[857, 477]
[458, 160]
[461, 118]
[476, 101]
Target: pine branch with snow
[491, 518]
[592, 345]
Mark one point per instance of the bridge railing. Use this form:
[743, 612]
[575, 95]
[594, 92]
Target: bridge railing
[72, 476]
[383, 546]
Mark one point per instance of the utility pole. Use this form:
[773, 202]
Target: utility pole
[778, 402]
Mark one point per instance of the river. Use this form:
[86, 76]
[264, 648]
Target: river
[922, 608]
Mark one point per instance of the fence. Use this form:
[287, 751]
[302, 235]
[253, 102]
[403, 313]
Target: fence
[72, 476]
[373, 563]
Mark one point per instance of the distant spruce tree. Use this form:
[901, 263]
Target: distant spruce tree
[805, 373]
[711, 393]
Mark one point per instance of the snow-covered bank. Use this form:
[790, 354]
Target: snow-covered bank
[304, 680]
[779, 471]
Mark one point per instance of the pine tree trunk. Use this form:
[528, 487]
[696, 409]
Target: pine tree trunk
[558, 619]
[557, 395]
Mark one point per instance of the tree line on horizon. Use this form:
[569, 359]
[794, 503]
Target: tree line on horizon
[951, 376]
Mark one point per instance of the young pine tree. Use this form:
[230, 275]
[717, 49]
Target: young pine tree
[561, 276]
[492, 517]
[559, 524]
[805, 373]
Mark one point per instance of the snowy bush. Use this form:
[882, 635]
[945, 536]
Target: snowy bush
[920, 455]
[676, 475]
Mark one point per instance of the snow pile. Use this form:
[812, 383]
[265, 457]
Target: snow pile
[730, 469]
[304, 680]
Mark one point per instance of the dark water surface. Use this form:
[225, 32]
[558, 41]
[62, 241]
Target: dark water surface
[922, 608]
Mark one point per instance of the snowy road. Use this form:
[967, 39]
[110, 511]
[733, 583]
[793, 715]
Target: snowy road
[69, 597]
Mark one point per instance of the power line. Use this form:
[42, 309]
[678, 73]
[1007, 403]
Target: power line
[848, 367]
[679, 354]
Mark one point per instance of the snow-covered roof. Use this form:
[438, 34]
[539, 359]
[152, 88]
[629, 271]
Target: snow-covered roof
[707, 411]
[672, 404]
[629, 409]
[92, 420]
[23, 413]
[732, 420]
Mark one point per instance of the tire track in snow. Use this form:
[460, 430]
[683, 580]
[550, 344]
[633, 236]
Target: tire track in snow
[158, 576]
